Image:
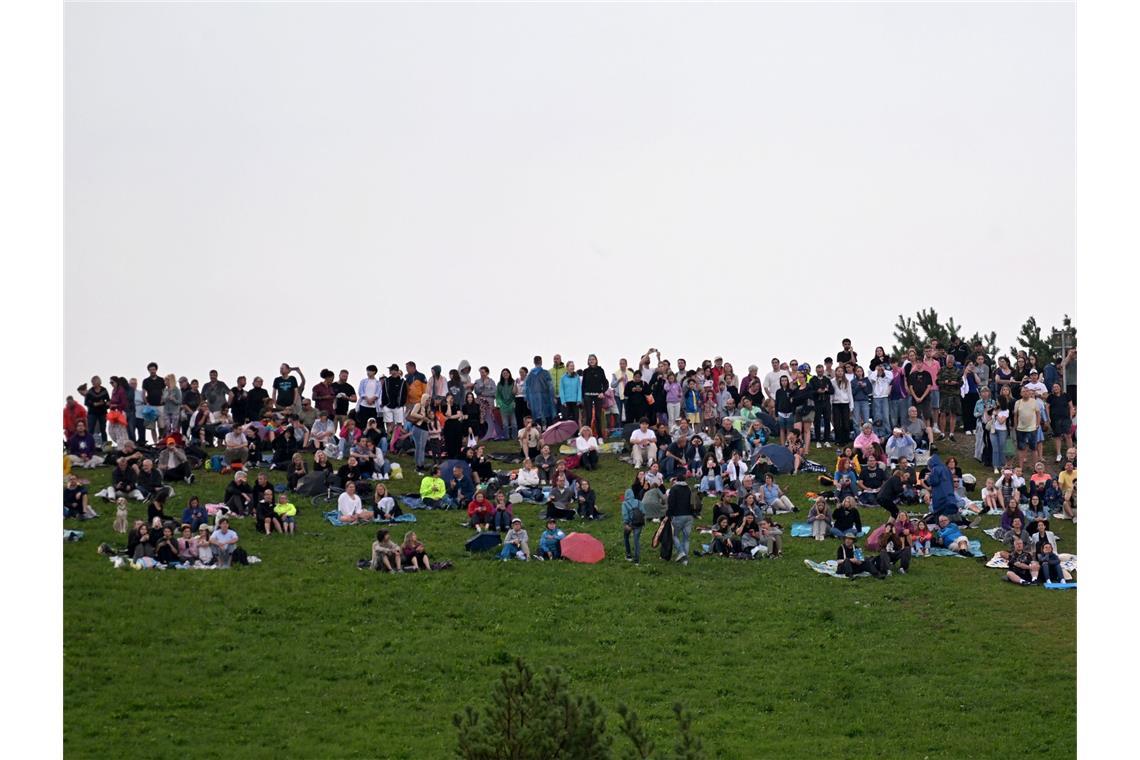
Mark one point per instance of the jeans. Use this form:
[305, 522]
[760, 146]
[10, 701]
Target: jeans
[837, 533]
[899, 409]
[634, 532]
[862, 411]
[881, 416]
[501, 520]
[682, 529]
[419, 437]
[512, 428]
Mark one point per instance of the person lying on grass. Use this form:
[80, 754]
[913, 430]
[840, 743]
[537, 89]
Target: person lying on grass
[949, 536]
[386, 554]
[1023, 569]
[415, 556]
[550, 542]
[515, 542]
[349, 508]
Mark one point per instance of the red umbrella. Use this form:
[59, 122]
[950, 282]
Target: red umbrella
[582, 547]
[559, 432]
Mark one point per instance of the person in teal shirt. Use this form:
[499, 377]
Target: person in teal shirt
[550, 542]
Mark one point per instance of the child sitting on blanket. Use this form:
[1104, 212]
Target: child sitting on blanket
[819, 518]
[922, 538]
[550, 542]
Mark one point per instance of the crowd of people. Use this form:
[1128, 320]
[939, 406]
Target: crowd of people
[690, 432]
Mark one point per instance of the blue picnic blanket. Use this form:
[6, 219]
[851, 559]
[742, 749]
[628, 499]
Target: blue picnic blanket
[1060, 586]
[332, 517]
[975, 550]
[411, 502]
[803, 530]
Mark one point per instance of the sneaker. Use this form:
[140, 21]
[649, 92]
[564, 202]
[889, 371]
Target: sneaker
[969, 432]
[1025, 582]
[937, 430]
[628, 558]
[818, 445]
[1058, 457]
[902, 571]
[951, 436]
[682, 558]
[190, 479]
[827, 444]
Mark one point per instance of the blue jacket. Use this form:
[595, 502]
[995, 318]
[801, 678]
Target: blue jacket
[941, 482]
[949, 534]
[569, 389]
[628, 504]
[540, 394]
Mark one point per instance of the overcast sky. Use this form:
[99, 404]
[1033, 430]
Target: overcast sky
[339, 185]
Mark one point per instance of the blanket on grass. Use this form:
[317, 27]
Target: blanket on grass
[993, 533]
[975, 550]
[803, 530]
[1068, 562]
[831, 567]
[72, 535]
[332, 517]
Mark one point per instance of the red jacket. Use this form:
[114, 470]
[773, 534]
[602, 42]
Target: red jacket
[474, 506]
[72, 414]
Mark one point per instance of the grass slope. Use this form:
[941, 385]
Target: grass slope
[306, 656]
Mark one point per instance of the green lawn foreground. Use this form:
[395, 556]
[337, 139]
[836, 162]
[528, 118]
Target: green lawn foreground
[306, 656]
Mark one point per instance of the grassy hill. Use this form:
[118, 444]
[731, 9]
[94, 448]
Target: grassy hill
[305, 655]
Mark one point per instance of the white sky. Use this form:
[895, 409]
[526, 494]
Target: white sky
[339, 185]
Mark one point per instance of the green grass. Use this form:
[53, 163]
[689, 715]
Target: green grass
[306, 656]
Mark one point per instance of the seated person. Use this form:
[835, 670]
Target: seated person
[775, 500]
[900, 446]
[238, 497]
[851, 560]
[285, 445]
[559, 503]
[236, 445]
[349, 507]
[123, 479]
[643, 444]
[516, 542]
[770, 541]
[386, 506]
[587, 499]
[195, 514]
[166, 549]
[75, 502]
[733, 472]
[323, 432]
[916, 428]
[187, 546]
[203, 549]
[296, 472]
[1049, 564]
[224, 541]
[479, 512]
[461, 489]
[528, 482]
[266, 513]
[415, 555]
[712, 482]
[285, 515]
[845, 519]
[432, 489]
[550, 542]
[174, 464]
[502, 516]
[748, 533]
[724, 539]
[350, 472]
[653, 476]
[1023, 568]
[545, 462]
[386, 554]
[81, 449]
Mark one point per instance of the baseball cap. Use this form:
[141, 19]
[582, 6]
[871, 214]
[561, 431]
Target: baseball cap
[393, 367]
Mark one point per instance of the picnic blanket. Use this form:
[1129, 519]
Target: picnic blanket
[831, 567]
[975, 550]
[810, 466]
[72, 535]
[1060, 586]
[1068, 562]
[334, 519]
[803, 530]
[993, 533]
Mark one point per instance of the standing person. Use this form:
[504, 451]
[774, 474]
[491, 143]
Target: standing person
[862, 390]
[171, 406]
[617, 384]
[73, 412]
[842, 398]
[238, 403]
[594, 387]
[485, 391]
[921, 386]
[636, 404]
[324, 395]
[256, 400]
[395, 396]
[1027, 420]
[98, 402]
[287, 390]
[898, 398]
[820, 387]
[522, 411]
[153, 388]
[343, 394]
[679, 509]
[632, 523]
[950, 393]
[970, 400]
[1069, 367]
[505, 403]
[557, 371]
[1061, 413]
[540, 393]
[570, 392]
[215, 392]
[420, 417]
[368, 396]
[771, 382]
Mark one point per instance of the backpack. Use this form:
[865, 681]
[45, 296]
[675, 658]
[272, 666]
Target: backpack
[240, 557]
[637, 517]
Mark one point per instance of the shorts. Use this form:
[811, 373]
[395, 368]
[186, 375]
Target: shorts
[1062, 427]
[935, 398]
[787, 421]
[923, 407]
[807, 416]
[287, 520]
[693, 417]
[1023, 574]
[951, 403]
[1026, 440]
[394, 416]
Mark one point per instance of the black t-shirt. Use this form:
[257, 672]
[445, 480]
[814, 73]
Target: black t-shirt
[255, 402]
[286, 388]
[844, 356]
[239, 408]
[73, 497]
[341, 407]
[152, 390]
[919, 380]
[873, 477]
[1058, 406]
[191, 398]
[820, 388]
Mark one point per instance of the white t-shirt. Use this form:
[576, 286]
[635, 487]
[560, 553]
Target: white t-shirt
[235, 439]
[585, 444]
[1001, 417]
[348, 505]
[1038, 387]
[638, 437]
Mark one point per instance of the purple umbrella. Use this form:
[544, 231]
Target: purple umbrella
[559, 432]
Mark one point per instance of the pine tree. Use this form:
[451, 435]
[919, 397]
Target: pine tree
[925, 326]
[1031, 341]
